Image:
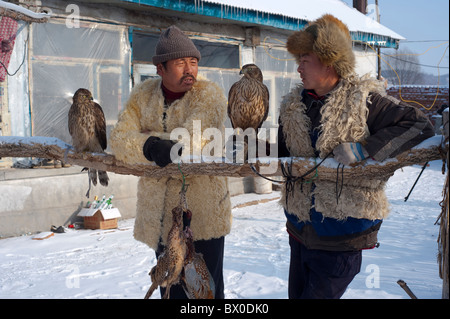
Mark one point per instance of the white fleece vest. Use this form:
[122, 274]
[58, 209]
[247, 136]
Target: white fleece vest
[343, 119]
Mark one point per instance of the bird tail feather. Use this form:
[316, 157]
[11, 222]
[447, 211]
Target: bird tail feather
[103, 178]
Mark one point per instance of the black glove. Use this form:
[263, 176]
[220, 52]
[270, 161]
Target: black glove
[158, 150]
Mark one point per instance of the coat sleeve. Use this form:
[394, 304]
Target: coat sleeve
[394, 127]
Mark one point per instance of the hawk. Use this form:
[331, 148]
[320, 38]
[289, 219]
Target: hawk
[87, 126]
[248, 99]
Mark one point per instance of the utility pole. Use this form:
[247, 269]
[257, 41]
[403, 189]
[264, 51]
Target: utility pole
[378, 47]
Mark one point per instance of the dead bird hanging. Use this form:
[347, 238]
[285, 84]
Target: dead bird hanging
[196, 278]
[169, 266]
[87, 126]
[179, 263]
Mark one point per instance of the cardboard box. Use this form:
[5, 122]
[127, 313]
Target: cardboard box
[100, 218]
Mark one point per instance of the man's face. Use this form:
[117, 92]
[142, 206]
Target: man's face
[312, 71]
[179, 75]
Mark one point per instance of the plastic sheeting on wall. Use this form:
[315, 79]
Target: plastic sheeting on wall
[280, 75]
[17, 90]
[93, 56]
[8, 29]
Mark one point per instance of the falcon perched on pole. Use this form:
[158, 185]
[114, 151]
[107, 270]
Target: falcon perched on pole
[87, 126]
[248, 99]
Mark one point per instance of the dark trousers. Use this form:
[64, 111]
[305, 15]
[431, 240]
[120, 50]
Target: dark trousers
[320, 274]
[212, 251]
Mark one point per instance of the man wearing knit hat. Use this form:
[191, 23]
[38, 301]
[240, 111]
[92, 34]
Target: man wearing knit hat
[335, 113]
[142, 134]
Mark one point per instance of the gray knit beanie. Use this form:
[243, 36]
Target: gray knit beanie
[174, 44]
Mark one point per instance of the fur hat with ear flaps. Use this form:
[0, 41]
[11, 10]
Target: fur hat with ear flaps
[329, 38]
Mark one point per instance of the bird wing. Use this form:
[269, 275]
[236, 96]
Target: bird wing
[71, 120]
[198, 279]
[100, 125]
[265, 97]
[232, 100]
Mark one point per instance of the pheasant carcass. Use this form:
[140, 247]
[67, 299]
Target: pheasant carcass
[197, 280]
[179, 261]
[169, 266]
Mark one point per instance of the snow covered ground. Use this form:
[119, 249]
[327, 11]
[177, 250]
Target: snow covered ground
[111, 264]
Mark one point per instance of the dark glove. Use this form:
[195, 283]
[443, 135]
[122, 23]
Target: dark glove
[158, 150]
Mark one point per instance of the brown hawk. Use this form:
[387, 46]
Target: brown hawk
[87, 126]
[248, 99]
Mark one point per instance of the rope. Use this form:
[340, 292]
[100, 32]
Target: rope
[287, 172]
[184, 186]
[339, 191]
[290, 179]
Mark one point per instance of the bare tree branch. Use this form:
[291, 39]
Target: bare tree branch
[53, 148]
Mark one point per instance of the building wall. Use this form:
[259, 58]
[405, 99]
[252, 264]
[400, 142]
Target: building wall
[32, 200]
[429, 99]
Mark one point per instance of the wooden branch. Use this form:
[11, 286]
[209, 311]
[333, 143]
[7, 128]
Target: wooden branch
[21, 16]
[53, 148]
[406, 289]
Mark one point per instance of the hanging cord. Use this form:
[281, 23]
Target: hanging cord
[339, 189]
[184, 186]
[290, 179]
[418, 177]
[269, 179]
[24, 52]
[287, 172]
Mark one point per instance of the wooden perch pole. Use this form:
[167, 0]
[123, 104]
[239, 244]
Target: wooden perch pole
[53, 148]
[406, 289]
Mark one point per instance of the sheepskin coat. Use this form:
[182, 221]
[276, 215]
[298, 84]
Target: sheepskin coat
[343, 119]
[207, 196]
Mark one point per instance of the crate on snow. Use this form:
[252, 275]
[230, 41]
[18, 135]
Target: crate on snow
[95, 218]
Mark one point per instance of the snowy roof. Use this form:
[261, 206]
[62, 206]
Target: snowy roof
[283, 14]
[311, 10]
[106, 213]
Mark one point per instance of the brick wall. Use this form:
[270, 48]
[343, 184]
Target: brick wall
[424, 95]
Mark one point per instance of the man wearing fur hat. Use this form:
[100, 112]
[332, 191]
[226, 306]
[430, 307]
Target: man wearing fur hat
[142, 134]
[336, 113]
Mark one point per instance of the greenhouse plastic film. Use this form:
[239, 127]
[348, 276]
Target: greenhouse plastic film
[93, 56]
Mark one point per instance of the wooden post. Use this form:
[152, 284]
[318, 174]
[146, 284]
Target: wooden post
[443, 239]
[406, 289]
